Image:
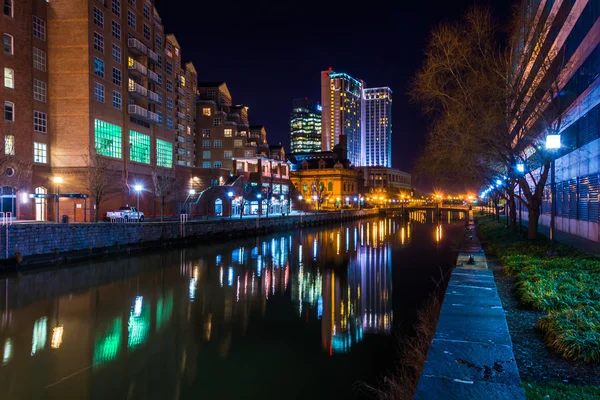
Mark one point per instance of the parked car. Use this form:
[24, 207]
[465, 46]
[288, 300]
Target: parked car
[127, 213]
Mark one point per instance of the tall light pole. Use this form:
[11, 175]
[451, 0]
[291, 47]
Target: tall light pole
[230, 195]
[521, 171]
[552, 143]
[138, 189]
[258, 208]
[57, 181]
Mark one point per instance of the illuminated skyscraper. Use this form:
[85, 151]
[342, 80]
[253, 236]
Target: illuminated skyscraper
[377, 105]
[341, 97]
[305, 126]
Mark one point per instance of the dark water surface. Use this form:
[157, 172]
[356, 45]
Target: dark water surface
[303, 315]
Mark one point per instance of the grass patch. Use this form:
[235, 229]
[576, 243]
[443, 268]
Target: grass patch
[566, 287]
[560, 391]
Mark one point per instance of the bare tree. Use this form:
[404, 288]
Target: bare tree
[319, 193]
[166, 187]
[99, 180]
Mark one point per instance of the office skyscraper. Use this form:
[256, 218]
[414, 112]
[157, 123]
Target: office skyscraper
[377, 108]
[305, 126]
[341, 97]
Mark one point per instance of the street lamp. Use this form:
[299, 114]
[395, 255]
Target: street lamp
[521, 171]
[230, 195]
[552, 143]
[57, 181]
[138, 189]
[281, 200]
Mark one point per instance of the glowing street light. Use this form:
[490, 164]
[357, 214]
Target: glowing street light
[138, 188]
[57, 181]
[552, 143]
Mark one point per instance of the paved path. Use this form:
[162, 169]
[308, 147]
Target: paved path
[471, 356]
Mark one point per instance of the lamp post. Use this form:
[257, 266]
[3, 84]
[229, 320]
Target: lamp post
[552, 143]
[281, 200]
[230, 195]
[300, 198]
[57, 181]
[521, 171]
[138, 189]
[258, 208]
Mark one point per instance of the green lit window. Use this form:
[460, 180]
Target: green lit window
[164, 154]
[139, 147]
[108, 139]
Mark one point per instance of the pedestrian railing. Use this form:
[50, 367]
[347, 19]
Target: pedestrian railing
[6, 221]
[183, 219]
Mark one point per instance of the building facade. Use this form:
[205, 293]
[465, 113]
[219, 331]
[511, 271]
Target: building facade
[342, 113]
[390, 181]
[572, 45]
[305, 126]
[377, 105]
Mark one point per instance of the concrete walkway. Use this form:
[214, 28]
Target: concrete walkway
[471, 356]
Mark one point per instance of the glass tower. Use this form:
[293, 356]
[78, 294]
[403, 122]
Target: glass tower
[377, 106]
[305, 126]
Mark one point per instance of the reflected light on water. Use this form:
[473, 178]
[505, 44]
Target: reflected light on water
[7, 353]
[57, 335]
[38, 340]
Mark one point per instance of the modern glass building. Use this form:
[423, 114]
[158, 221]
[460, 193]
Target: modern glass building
[305, 126]
[568, 33]
[341, 98]
[377, 107]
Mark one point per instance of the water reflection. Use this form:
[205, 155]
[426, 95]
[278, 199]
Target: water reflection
[144, 326]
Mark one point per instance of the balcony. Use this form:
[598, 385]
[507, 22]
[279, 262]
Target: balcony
[136, 90]
[180, 151]
[153, 97]
[181, 162]
[181, 91]
[180, 115]
[137, 47]
[153, 76]
[181, 103]
[180, 139]
[180, 127]
[152, 56]
[136, 68]
[141, 113]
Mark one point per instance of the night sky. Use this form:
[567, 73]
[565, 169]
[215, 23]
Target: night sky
[270, 52]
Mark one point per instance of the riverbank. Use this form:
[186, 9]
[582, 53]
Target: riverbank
[533, 287]
[31, 245]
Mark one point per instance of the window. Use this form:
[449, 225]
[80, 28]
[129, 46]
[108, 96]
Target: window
[206, 111]
[9, 111]
[116, 30]
[169, 86]
[99, 92]
[158, 42]
[206, 164]
[169, 68]
[211, 93]
[131, 19]
[159, 61]
[206, 144]
[117, 76]
[159, 79]
[9, 42]
[139, 147]
[164, 154]
[40, 90]
[248, 153]
[9, 145]
[40, 122]
[8, 8]
[217, 164]
[238, 143]
[160, 99]
[218, 144]
[206, 133]
[98, 17]
[206, 155]
[116, 53]
[117, 100]
[99, 42]
[131, 2]
[107, 139]
[227, 132]
[170, 104]
[227, 154]
[39, 59]
[330, 186]
[146, 32]
[169, 122]
[147, 11]
[39, 28]
[40, 153]
[217, 122]
[159, 117]
[99, 67]
[116, 7]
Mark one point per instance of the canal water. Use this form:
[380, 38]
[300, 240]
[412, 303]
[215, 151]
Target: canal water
[311, 313]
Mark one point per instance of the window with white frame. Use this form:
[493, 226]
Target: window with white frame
[206, 155]
[248, 154]
[169, 104]
[39, 28]
[39, 59]
[206, 133]
[117, 100]
[159, 79]
[40, 121]
[131, 19]
[98, 17]
[9, 145]
[217, 122]
[40, 90]
[99, 92]
[116, 7]
[158, 42]
[206, 111]
[116, 53]
[169, 68]
[40, 154]
[227, 154]
[9, 78]
[169, 122]
[206, 144]
[9, 43]
[117, 76]
[8, 8]
[99, 42]
[116, 30]
[131, 2]
[9, 111]
[238, 143]
[218, 144]
[211, 93]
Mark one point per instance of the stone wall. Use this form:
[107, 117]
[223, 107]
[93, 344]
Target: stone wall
[48, 238]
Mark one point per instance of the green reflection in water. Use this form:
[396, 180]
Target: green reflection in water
[107, 345]
[164, 310]
[138, 324]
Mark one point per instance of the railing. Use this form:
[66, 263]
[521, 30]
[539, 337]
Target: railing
[180, 115]
[180, 127]
[135, 88]
[141, 112]
[181, 91]
[181, 103]
[136, 67]
[6, 219]
[180, 139]
[136, 46]
[152, 56]
[153, 76]
[153, 97]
